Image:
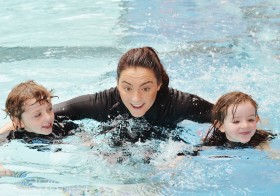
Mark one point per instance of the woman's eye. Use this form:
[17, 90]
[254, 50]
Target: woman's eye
[235, 122]
[146, 89]
[127, 89]
[50, 109]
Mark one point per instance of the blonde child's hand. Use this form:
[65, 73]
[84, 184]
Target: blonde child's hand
[5, 172]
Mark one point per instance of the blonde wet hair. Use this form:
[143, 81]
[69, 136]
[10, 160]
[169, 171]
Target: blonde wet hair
[214, 136]
[15, 102]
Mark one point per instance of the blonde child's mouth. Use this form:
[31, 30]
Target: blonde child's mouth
[49, 126]
[245, 133]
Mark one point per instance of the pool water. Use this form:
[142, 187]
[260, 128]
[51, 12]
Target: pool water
[208, 48]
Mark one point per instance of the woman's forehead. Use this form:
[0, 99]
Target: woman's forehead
[137, 73]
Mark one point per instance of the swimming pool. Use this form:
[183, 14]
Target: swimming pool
[208, 48]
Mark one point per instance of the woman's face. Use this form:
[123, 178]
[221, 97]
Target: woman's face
[138, 89]
[38, 117]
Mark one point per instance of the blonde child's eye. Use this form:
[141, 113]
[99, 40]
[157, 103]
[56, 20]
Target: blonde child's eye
[37, 115]
[50, 109]
[251, 120]
[235, 122]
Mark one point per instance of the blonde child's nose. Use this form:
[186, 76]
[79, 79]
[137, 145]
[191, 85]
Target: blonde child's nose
[47, 116]
[244, 124]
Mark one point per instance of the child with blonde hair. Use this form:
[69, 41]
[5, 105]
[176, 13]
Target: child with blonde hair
[234, 123]
[29, 107]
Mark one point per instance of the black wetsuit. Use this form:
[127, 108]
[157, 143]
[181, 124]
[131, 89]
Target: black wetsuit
[260, 136]
[169, 108]
[61, 128]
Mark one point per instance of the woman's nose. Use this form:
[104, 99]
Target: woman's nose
[136, 96]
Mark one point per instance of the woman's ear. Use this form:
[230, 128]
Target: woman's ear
[159, 86]
[118, 86]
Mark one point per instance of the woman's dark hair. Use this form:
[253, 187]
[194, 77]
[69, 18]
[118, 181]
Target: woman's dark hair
[145, 57]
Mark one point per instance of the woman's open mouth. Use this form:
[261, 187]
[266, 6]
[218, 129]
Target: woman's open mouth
[137, 106]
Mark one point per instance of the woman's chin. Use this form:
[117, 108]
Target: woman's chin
[137, 115]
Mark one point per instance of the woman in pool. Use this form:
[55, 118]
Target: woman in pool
[142, 92]
[30, 109]
[234, 123]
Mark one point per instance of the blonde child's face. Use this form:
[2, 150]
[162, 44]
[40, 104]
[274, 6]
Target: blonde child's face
[38, 118]
[242, 126]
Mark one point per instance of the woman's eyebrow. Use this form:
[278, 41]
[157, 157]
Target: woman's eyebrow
[140, 85]
[126, 82]
[146, 83]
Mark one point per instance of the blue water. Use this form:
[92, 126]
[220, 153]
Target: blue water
[208, 48]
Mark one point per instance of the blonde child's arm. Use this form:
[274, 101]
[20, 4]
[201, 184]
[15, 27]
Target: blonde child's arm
[7, 127]
[272, 153]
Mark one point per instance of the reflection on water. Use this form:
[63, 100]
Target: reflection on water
[11, 54]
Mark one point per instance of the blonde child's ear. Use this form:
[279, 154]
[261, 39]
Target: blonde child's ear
[219, 126]
[258, 119]
[17, 123]
[222, 129]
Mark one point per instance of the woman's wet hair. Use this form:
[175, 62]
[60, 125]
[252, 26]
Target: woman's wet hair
[145, 57]
[15, 103]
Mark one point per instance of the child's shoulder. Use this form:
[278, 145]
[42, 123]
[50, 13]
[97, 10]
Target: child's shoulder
[265, 134]
[261, 136]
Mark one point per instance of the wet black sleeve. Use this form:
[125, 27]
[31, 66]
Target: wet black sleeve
[175, 106]
[191, 107]
[97, 106]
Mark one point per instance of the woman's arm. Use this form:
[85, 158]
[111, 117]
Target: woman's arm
[191, 107]
[76, 108]
[97, 106]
